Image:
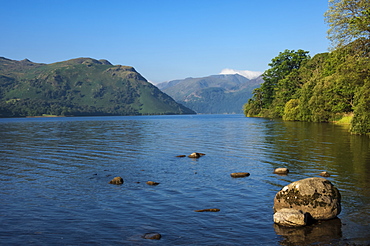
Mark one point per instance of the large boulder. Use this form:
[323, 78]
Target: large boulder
[316, 196]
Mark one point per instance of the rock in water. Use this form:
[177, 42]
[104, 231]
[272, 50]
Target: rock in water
[324, 174]
[290, 217]
[208, 210]
[281, 170]
[316, 196]
[152, 183]
[196, 155]
[117, 181]
[239, 175]
[152, 235]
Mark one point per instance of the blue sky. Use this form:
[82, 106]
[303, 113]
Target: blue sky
[163, 39]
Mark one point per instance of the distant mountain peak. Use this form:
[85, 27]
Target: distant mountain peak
[222, 93]
[246, 73]
[26, 60]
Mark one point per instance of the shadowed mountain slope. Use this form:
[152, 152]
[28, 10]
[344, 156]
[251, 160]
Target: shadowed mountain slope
[215, 94]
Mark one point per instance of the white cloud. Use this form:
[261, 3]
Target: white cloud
[245, 73]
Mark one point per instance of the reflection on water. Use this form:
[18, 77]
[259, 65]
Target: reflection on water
[309, 148]
[54, 175]
[326, 232]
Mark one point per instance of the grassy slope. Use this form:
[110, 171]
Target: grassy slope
[84, 84]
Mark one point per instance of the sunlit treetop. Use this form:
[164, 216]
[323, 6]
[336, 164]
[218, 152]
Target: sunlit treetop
[348, 20]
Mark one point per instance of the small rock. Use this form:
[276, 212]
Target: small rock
[290, 217]
[152, 183]
[208, 210]
[281, 170]
[196, 155]
[239, 175]
[181, 156]
[324, 174]
[117, 181]
[152, 235]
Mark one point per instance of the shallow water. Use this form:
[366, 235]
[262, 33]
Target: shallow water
[54, 175]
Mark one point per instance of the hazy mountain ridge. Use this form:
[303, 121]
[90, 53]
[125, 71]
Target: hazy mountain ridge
[224, 93]
[81, 86]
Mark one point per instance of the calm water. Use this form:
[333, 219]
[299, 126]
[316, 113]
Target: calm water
[54, 175]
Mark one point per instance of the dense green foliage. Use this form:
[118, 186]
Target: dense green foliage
[328, 86]
[323, 88]
[215, 94]
[80, 86]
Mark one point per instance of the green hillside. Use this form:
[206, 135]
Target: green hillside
[76, 87]
[324, 88]
[333, 86]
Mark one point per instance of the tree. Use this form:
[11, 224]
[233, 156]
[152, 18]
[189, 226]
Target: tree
[254, 105]
[292, 110]
[280, 83]
[348, 20]
[361, 119]
[278, 86]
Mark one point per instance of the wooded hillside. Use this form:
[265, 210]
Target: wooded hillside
[328, 86]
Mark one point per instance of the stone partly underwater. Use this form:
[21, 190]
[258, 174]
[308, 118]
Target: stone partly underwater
[316, 196]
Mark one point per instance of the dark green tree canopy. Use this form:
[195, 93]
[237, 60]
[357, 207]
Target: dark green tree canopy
[281, 67]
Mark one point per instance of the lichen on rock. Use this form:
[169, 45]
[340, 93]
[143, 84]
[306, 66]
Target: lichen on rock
[316, 196]
[290, 217]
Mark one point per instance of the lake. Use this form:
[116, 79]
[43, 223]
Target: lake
[54, 175]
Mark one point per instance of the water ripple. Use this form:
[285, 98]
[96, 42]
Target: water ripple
[55, 173]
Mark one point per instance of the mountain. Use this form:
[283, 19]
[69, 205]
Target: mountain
[81, 86]
[215, 94]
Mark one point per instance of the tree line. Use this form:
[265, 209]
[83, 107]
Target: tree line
[327, 86]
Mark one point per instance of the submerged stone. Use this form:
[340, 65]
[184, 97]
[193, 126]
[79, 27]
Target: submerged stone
[116, 180]
[316, 196]
[152, 183]
[239, 175]
[152, 235]
[208, 210]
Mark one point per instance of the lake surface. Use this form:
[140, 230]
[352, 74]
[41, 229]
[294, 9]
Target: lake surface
[54, 175]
